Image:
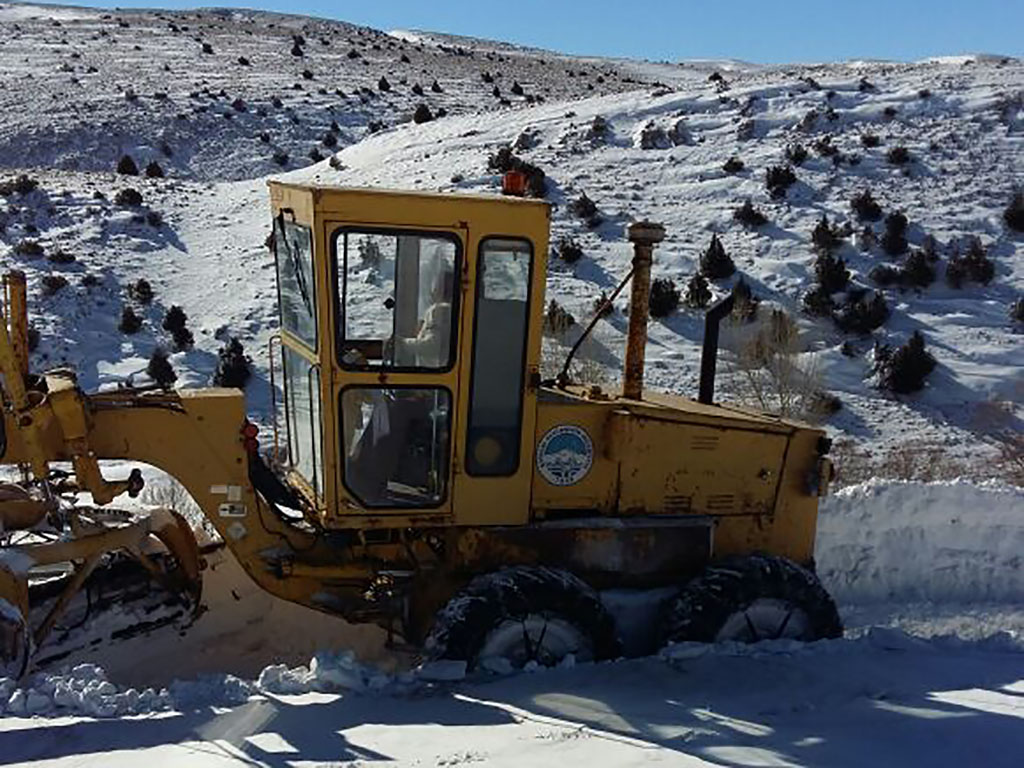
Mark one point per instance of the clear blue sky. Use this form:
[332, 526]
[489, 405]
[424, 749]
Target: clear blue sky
[768, 31]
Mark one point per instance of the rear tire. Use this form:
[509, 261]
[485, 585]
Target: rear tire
[752, 598]
[523, 614]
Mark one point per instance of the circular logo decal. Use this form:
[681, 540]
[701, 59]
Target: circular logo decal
[565, 454]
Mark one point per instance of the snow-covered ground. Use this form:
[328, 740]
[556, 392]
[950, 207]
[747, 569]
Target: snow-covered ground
[931, 672]
[929, 577]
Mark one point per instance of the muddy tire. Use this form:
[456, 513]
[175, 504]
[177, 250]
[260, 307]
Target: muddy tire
[752, 598]
[523, 614]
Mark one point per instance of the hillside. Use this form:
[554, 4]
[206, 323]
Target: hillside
[659, 151]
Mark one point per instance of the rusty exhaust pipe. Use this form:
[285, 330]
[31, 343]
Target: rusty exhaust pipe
[643, 235]
[16, 300]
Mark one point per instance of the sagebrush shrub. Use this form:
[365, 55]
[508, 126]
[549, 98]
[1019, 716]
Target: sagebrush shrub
[745, 302]
[60, 256]
[154, 171]
[1017, 310]
[917, 272]
[603, 307]
[825, 147]
[870, 140]
[29, 249]
[160, 370]
[698, 293]
[831, 272]
[22, 185]
[980, 268]
[715, 263]
[141, 291]
[733, 165]
[422, 114]
[557, 319]
[904, 369]
[127, 167]
[586, 209]
[894, 241]
[898, 155]
[779, 178]
[130, 322]
[129, 197]
[1014, 213]
[569, 250]
[884, 275]
[860, 314]
[53, 283]
[233, 366]
[865, 207]
[796, 154]
[818, 302]
[175, 322]
[664, 297]
[825, 237]
[748, 215]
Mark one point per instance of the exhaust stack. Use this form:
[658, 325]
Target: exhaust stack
[16, 304]
[709, 353]
[643, 235]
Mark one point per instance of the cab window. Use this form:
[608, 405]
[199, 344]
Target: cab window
[397, 443]
[398, 299]
[293, 250]
[302, 410]
[504, 271]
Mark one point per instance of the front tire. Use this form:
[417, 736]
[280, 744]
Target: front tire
[752, 598]
[523, 614]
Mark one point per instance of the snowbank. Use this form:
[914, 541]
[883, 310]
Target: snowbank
[85, 690]
[907, 542]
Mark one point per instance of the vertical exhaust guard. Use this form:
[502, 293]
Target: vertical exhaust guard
[643, 235]
[709, 353]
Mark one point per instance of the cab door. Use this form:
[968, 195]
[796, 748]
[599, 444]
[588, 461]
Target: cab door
[396, 385]
[502, 346]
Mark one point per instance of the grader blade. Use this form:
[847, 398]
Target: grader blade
[118, 578]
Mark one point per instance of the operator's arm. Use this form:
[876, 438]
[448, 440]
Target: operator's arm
[430, 346]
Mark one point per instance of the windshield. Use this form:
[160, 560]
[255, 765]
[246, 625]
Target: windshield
[399, 299]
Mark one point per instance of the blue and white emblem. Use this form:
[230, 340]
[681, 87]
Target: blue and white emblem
[565, 455]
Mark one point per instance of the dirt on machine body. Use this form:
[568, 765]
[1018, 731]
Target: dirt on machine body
[426, 479]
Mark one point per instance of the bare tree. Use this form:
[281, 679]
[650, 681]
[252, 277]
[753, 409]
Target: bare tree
[770, 373]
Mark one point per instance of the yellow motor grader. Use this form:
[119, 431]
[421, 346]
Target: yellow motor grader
[426, 479]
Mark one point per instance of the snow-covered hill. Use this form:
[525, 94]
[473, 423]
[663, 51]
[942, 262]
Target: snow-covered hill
[960, 120]
[218, 93]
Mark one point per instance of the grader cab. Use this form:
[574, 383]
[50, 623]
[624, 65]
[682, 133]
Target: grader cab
[426, 478]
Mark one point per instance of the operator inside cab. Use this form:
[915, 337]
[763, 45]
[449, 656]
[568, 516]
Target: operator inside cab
[399, 314]
[430, 346]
